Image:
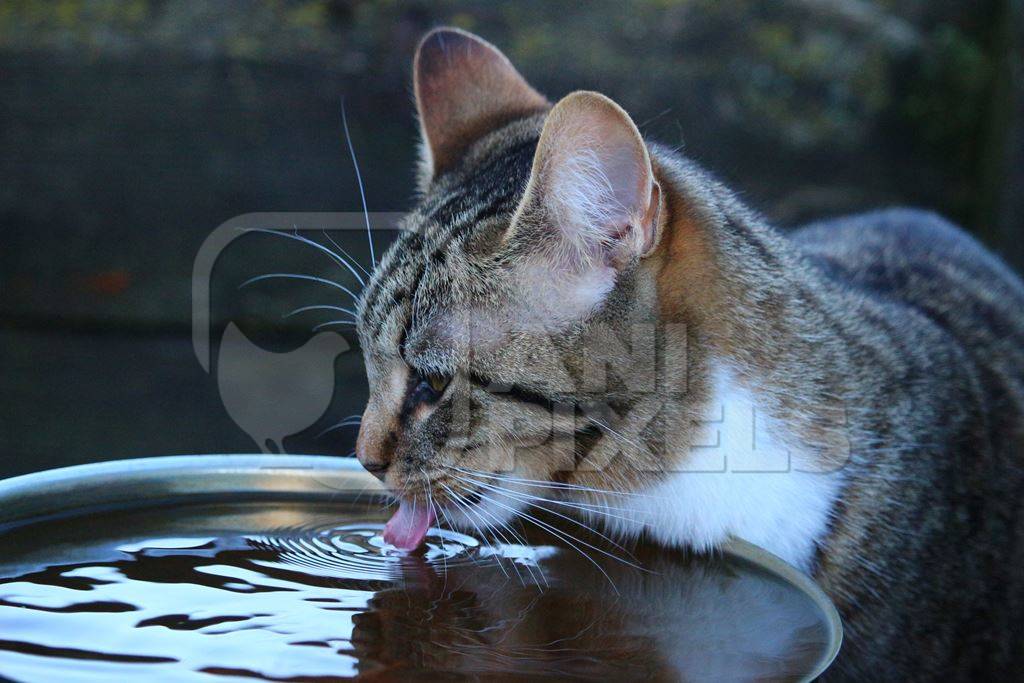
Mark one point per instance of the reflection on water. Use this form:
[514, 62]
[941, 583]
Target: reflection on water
[312, 593]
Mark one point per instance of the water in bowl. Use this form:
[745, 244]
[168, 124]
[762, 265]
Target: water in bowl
[309, 592]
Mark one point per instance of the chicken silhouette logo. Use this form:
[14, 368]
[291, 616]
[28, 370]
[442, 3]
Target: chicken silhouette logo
[274, 395]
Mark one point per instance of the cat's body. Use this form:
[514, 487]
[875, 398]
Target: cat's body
[850, 396]
[926, 554]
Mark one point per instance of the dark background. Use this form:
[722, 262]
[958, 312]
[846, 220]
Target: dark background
[129, 130]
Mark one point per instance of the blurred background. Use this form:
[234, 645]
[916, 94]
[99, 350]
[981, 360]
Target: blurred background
[131, 129]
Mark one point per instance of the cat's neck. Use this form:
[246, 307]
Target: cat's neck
[765, 314]
[763, 454]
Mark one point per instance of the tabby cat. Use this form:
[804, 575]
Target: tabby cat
[577, 312]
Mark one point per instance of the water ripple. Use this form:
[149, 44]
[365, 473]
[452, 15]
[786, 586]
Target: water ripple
[358, 551]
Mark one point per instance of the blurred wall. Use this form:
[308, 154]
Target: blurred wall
[131, 129]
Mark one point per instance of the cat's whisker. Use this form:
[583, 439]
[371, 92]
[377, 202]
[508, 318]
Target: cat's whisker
[528, 517]
[473, 557]
[468, 511]
[600, 508]
[572, 521]
[450, 525]
[343, 252]
[654, 118]
[320, 307]
[465, 507]
[564, 536]
[359, 181]
[605, 509]
[342, 259]
[415, 307]
[497, 530]
[332, 323]
[299, 276]
[362, 490]
[531, 500]
[518, 540]
[316, 245]
[615, 434]
[345, 423]
[433, 510]
[538, 483]
[350, 421]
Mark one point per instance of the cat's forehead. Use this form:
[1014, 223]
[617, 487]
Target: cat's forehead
[488, 183]
[440, 265]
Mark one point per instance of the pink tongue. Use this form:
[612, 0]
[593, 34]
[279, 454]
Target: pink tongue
[409, 525]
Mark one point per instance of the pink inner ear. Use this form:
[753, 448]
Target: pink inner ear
[593, 187]
[590, 196]
[624, 172]
[596, 178]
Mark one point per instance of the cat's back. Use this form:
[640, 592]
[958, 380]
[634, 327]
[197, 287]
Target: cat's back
[951, 539]
[923, 262]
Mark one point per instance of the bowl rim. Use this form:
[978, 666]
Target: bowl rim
[139, 482]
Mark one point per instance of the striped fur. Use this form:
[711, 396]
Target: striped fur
[885, 353]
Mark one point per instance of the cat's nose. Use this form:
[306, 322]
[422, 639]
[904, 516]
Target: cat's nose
[374, 466]
[374, 459]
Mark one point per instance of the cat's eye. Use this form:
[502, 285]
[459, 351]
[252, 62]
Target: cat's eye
[429, 387]
[437, 382]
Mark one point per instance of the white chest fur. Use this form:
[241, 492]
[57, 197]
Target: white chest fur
[744, 479]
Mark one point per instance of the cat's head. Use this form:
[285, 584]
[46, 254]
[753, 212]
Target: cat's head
[532, 231]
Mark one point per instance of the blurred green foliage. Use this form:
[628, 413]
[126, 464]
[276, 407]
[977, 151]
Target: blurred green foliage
[806, 72]
[176, 115]
[944, 103]
[130, 129]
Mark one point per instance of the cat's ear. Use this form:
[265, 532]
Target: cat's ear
[592, 205]
[464, 87]
[592, 182]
